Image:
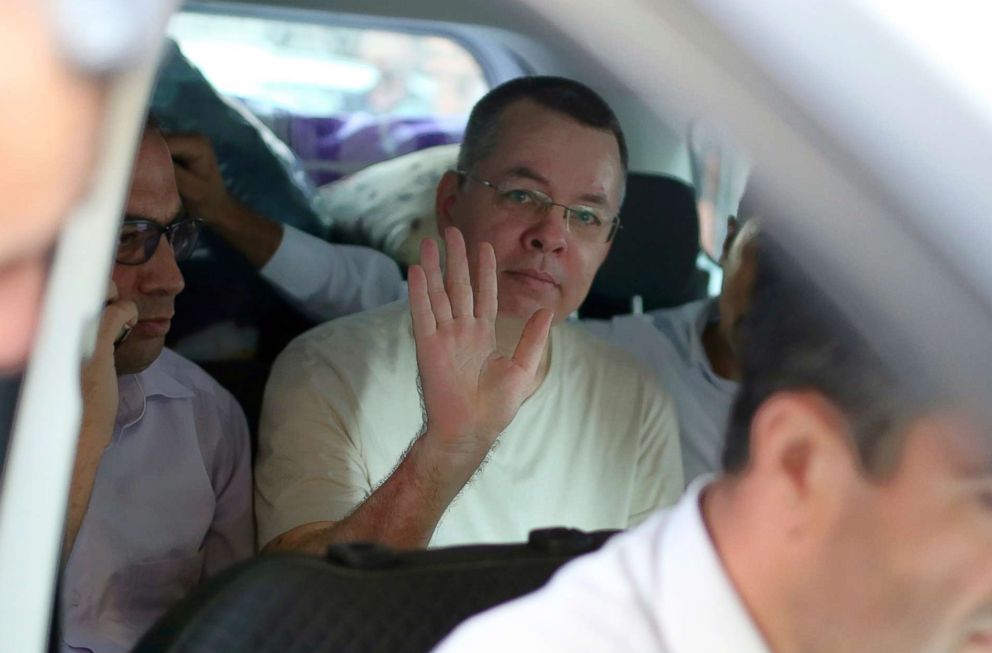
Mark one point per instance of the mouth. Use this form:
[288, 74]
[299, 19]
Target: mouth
[153, 326]
[533, 275]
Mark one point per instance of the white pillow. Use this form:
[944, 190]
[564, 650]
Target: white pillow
[390, 205]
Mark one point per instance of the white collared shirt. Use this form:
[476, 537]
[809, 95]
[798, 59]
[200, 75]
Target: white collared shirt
[659, 588]
[670, 342]
[325, 280]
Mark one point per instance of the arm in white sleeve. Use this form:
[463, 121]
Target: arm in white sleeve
[325, 280]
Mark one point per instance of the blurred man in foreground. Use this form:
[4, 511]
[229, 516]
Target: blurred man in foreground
[854, 514]
[47, 148]
[161, 488]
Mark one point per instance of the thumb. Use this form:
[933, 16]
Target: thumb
[530, 348]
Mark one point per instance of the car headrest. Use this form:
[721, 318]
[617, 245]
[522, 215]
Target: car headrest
[654, 252]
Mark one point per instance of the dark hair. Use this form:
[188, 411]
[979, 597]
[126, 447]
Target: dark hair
[794, 338]
[560, 94]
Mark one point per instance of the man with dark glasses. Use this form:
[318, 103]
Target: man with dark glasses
[528, 214]
[161, 487]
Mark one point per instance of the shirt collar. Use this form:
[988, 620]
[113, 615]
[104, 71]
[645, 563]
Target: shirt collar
[709, 313]
[699, 609]
[134, 389]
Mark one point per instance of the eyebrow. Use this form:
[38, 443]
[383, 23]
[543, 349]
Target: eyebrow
[524, 172]
[178, 215]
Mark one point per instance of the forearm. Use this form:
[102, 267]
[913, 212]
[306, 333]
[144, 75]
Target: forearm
[251, 233]
[402, 512]
[84, 471]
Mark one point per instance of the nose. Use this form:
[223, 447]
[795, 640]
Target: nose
[161, 275]
[549, 235]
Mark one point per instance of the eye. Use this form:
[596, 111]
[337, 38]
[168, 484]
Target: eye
[518, 196]
[985, 498]
[127, 237]
[586, 217]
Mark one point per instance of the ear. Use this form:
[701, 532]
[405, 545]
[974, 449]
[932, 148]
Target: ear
[801, 451]
[444, 200]
[733, 226]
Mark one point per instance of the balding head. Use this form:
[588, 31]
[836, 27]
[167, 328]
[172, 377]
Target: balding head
[153, 185]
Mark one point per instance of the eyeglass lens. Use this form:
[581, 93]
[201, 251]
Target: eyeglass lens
[586, 223]
[139, 240]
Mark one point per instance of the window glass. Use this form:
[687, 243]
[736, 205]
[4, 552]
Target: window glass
[341, 97]
[719, 175]
[321, 70]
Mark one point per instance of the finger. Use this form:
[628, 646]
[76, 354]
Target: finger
[189, 184]
[456, 277]
[486, 304]
[430, 259]
[112, 294]
[117, 317]
[188, 147]
[530, 349]
[194, 153]
[420, 303]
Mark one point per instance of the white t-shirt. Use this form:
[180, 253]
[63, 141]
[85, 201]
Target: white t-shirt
[596, 446]
[670, 343]
[325, 280]
[660, 588]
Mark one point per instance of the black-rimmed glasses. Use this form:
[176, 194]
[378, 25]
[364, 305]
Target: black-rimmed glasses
[587, 223]
[139, 238]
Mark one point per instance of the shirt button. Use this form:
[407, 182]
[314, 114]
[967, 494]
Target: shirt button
[75, 599]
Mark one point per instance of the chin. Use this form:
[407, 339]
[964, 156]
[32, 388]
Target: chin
[134, 356]
[519, 308]
[521, 305]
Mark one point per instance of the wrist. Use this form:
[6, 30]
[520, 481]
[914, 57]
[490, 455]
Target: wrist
[439, 469]
[95, 436]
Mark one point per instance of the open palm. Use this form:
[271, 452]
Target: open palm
[471, 392]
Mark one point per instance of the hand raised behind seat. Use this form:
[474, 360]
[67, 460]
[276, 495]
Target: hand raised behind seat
[471, 392]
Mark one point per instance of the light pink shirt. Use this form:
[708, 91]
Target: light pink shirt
[171, 504]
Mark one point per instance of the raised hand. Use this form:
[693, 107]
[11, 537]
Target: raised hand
[204, 194]
[471, 392]
[99, 376]
[100, 399]
[198, 176]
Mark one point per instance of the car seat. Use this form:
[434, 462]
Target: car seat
[654, 252]
[360, 598]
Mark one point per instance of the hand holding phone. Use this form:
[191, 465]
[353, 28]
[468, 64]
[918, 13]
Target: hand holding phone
[99, 375]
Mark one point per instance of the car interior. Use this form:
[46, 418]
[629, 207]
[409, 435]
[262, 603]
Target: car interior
[233, 323]
[338, 116]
